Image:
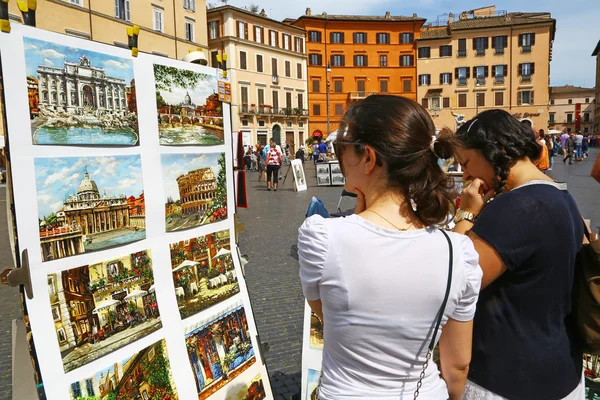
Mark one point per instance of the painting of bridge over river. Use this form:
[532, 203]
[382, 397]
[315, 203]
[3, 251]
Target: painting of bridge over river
[79, 97]
[189, 109]
[203, 272]
[88, 204]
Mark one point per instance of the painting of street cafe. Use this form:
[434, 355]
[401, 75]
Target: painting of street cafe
[203, 272]
[144, 375]
[219, 350]
[99, 308]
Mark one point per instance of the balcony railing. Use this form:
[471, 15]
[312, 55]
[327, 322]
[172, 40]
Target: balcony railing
[462, 81]
[499, 79]
[480, 52]
[244, 109]
[499, 51]
[480, 81]
[526, 49]
[360, 95]
[526, 78]
[462, 53]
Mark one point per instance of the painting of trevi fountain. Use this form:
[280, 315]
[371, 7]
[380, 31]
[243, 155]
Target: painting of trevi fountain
[88, 204]
[79, 97]
[188, 106]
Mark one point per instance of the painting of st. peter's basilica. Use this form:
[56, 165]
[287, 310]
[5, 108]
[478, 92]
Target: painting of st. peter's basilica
[79, 97]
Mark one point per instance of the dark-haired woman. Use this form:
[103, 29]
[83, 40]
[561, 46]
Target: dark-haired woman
[378, 277]
[527, 239]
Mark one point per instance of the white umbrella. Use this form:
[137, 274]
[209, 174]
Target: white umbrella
[135, 293]
[221, 253]
[554, 132]
[105, 304]
[331, 137]
[185, 264]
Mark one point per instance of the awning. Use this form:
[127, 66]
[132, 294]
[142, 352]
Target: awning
[222, 252]
[135, 293]
[186, 264]
[317, 133]
[105, 304]
[554, 132]
[433, 92]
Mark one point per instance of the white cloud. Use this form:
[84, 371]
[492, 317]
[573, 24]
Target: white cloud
[48, 62]
[126, 183]
[106, 166]
[57, 176]
[44, 198]
[51, 53]
[116, 64]
[56, 206]
[29, 46]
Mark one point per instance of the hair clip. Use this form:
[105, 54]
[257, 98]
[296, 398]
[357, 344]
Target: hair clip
[471, 125]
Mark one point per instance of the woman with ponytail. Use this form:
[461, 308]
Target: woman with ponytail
[379, 278]
[527, 238]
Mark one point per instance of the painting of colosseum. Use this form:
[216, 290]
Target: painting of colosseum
[195, 187]
[188, 107]
[79, 97]
[88, 204]
[203, 272]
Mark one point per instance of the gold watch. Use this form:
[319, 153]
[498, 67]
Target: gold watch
[464, 215]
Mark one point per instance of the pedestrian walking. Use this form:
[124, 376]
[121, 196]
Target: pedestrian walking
[315, 148]
[550, 144]
[585, 146]
[274, 160]
[578, 139]
[262, 159]
[378, 320]
[569, 149]
[523, 344]
[563, 141]
[300, 154]
[543, 162]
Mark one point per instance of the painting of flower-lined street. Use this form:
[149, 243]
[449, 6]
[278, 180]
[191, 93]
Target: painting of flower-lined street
[188, 105]
[253, 390]
[203, 272]
[219, 351]
[195, 188]
[99, 308]
[145, 375]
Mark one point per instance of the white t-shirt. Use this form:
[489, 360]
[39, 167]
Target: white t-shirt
[381, 291]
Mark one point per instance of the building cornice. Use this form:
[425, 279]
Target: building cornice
[224, 40]
[233, 9]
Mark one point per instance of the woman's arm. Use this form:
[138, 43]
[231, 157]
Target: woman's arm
[489, 260]
[455, 355]
[317, 307]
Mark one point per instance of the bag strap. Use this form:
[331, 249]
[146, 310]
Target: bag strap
[440, 314]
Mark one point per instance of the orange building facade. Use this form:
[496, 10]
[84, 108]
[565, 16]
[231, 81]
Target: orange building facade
[352, 57]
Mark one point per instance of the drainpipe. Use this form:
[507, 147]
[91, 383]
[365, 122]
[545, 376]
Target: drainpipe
[175, 29]
[90, 16]
[510, 89]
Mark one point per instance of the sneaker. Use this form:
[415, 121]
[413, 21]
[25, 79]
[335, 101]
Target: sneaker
[275, 189]
[269, 189]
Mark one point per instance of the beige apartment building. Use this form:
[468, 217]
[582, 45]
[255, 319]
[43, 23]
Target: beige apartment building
[266, 60]
[571, 107]
[596, 53]
[486, 59]
[168, 28]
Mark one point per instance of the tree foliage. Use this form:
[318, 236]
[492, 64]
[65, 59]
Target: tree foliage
[253, 8]
[169, 77]
[157, 370]
[178, 255]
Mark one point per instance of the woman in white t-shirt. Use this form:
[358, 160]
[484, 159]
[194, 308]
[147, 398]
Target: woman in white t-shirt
[378, 277]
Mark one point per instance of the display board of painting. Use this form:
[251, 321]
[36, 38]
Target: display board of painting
[312, 354]
[299, 177]
[122, 177]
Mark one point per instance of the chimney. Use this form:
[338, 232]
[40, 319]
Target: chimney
[387, 15]
[414, 15]
[308, 12]
[450, 18]
[263, 13]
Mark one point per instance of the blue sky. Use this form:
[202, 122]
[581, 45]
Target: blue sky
[57, 178]
[40, 52]
[174, 165]
[577, 24]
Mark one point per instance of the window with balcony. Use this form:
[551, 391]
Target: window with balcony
[189, 31]
[261, 100]
[338, 85]
[259, 63]
[383, 86]
[551, 118]
[462, 99]
[462, 48]
[337, 60]
[316, 86]
[480, 44]
[499, 43]
[315, 59]
[383, 60]
[360, 37]
[122, 10]
[526, 41]
[480, 73]
[446, 78]
[424, 79]
[189, 5]
[361, 61]
[275, 97]
[158, 19]
[525, 71]
[446, 51]
[383, 38]
[407, 37]
[569, 118]
[336, 37]
[461, 74]
[243, 60]
[213, 29]
[314, 36]
[407, 85]
[525, 97]
[407, 60]
[424, 52]
[500, 71]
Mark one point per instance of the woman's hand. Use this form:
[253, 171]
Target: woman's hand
[474, 197]
[361, 202]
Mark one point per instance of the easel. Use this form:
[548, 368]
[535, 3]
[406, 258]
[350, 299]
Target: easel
[286, 174]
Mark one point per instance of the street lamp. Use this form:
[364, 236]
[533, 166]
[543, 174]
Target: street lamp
[327, 71]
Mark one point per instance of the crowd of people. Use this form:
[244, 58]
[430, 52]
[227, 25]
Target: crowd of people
[571, 146]
[499, 285]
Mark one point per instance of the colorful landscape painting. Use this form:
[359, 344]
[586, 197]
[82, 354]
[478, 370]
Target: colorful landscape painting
[219, 351]
[253, 390]
[312, 384]
[188, 106]
[102, 307]
[79, 97]
[195, 189]
[88, 203]
[203, 272]
[316, 332]
[145, 375]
